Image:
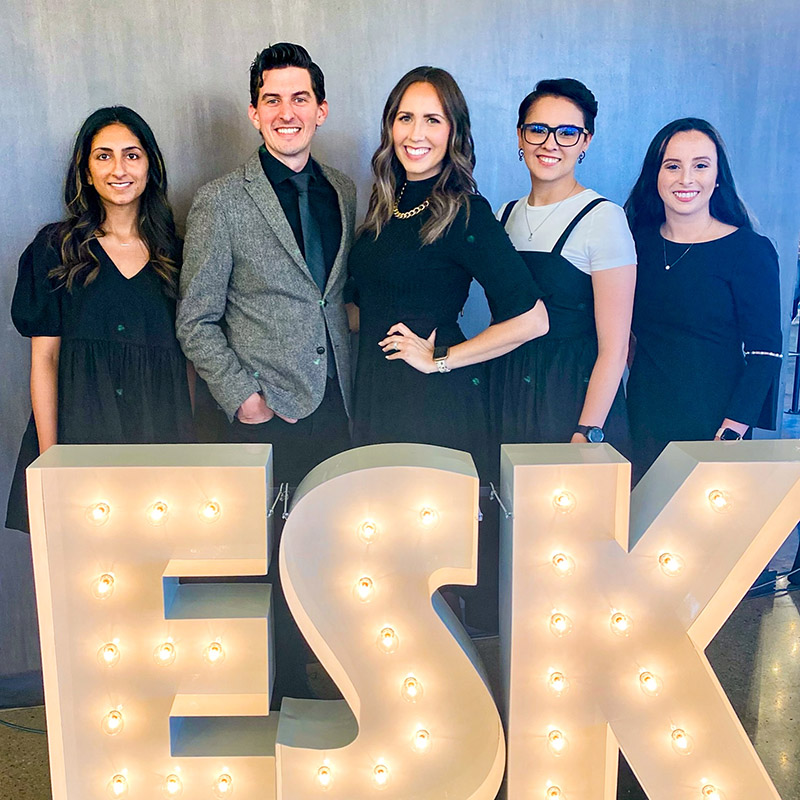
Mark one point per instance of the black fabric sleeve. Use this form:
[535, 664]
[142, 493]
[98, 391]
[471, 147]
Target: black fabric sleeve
[487, 254]
[35, 306]
[756, 297]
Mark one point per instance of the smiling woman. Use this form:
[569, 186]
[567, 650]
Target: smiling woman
[95, 294]
[427, 234]
[707, 308]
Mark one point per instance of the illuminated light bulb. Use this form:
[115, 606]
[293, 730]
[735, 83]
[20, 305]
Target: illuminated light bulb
[564, 501]
[670, 564]
[557, 683]
[650, 684]
[108, 654]
[223, 785]
[428, 517]
[556, 742]
[165, 654]
[214, 653]
[710, 792]
[621, 624]
[99, 513]
[118, 786]
[368, 531]
[103, 586]
[388, 641]
[411, 689]
[718, 500]
[421, 740]
[210, 511]
[682, 743]
[364, 589]
[553, 792]
[380, 775]
[173, 786]
[560, 625]
[113, 722]
[157, 513]
[324, 777]
[563, 564]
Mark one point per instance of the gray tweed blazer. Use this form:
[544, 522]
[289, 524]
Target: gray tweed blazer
[250, 316]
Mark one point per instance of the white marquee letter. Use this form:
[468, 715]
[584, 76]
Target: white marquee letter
[602, 640]
[153, 688]
[373, 533]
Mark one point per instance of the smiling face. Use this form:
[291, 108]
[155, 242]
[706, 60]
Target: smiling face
[688, 175]
[288, 115]
[549, 162]
[420, 132]
[118, 166]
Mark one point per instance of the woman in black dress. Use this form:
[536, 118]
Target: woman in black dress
[567, 386]
[427, 234]
[96, 295]
[707, 309]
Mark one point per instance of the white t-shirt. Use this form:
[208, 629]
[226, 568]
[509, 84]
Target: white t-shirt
[601, 240]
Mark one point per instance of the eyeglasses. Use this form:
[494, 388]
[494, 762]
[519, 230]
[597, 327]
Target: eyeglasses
[565, 135]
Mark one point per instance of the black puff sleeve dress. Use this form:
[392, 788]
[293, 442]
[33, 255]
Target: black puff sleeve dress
[121, 373]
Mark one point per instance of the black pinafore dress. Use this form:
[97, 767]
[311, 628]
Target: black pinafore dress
[537, 391]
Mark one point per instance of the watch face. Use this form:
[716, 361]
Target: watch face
[729, 435]
[595, 435]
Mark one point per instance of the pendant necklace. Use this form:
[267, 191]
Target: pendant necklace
[664, 243]
[396, 212]
[557, 206]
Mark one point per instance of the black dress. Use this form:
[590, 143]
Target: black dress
[538, 390]
[396, 279]
[708, 339]
[121, 373]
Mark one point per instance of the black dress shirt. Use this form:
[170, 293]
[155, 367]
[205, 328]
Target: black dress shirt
[322, 198]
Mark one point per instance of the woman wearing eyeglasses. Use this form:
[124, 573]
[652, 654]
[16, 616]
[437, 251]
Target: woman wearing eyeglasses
[707, 312]
[566, 386]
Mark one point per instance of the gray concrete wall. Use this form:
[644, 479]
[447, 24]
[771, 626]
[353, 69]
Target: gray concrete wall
[183, 65]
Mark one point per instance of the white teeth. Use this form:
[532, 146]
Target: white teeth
[547, 160]
[288, 130]
[686, 195]
[417, 151]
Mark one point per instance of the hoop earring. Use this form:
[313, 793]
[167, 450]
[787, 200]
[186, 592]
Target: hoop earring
[581, 157]
[521, 155]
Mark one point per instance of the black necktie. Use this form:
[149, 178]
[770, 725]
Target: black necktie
[312, 238]
[312, 244]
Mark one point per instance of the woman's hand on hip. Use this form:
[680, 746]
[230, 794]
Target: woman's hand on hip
[403, 344]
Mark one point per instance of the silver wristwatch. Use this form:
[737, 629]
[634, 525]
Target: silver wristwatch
[440, 358]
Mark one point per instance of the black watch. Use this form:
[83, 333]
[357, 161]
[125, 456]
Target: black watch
[728, 435]
[592, 433]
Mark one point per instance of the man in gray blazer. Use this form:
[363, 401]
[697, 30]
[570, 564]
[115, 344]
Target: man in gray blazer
[261, 313]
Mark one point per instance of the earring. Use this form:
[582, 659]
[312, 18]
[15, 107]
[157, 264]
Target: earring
[581, 156]
[521, 154]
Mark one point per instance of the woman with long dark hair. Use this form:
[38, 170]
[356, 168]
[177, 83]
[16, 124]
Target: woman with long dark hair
[707, 307]
[567, 386]
[427, 234]
[96, 295]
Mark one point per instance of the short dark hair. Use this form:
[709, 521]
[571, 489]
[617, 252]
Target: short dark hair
[571, 89]
[279, 56]
[644, 206]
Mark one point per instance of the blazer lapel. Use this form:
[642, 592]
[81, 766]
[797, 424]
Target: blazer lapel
[260, 190]
[341, 255]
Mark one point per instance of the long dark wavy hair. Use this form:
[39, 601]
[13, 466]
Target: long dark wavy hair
[86, 213]
[644, 206]
[455, 183]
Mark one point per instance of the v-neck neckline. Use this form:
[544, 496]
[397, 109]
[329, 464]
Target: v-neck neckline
[117, 269]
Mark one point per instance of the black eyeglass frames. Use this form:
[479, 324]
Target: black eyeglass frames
[565, 135]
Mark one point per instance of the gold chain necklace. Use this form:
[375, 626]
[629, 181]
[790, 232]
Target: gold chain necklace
[408, 214]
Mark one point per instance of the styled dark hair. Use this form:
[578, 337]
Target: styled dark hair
[455, 183]
[278, 56]
[86, 213]
[644, 206]
[571, 89]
